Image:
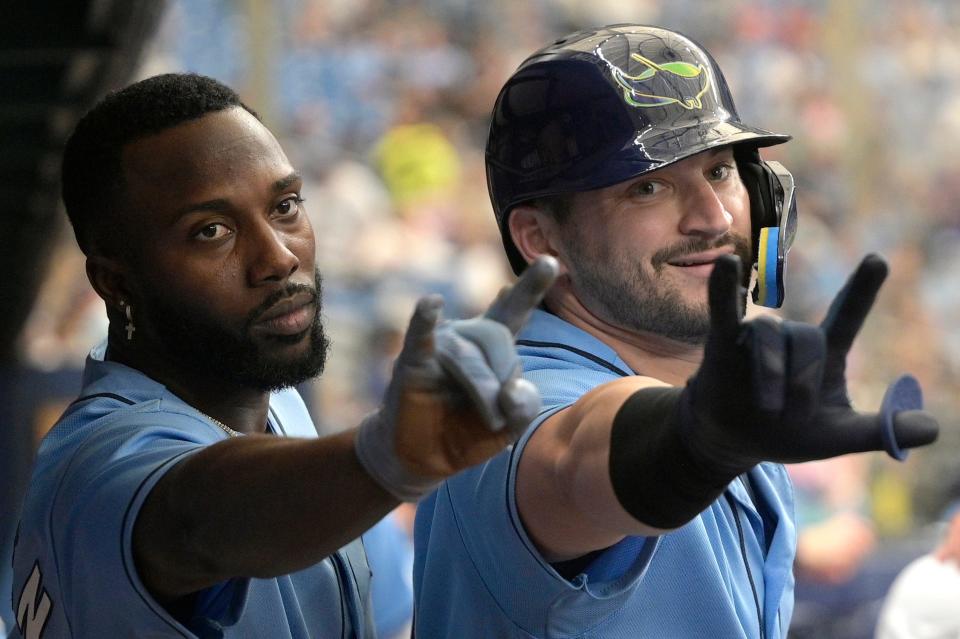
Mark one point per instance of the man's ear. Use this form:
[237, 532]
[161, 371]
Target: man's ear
[534, 233]
[110, 279]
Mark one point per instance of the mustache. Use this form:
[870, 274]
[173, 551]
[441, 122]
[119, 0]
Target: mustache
[698, 244]
[287, 291]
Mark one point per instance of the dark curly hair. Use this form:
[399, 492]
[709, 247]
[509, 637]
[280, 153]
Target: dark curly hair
[91, 173]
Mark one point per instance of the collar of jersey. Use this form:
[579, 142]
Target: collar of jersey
[105, 376]
[544, 326]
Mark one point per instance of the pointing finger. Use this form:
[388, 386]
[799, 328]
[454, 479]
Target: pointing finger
[515, 303]
[724, 295]
[850, 307]
[418, 343]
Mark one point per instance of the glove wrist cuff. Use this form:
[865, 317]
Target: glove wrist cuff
[656, 476]
[374, 446]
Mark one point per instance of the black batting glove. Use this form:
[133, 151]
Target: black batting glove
[776, 391]
[766, 390]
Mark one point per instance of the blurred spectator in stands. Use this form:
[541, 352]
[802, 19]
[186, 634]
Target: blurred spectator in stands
[924, 601]
[833, 518]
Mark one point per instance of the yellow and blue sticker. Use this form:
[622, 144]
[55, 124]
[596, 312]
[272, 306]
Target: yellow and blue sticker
[769, 290]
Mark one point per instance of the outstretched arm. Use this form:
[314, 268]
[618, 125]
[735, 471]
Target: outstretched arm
[260, 506]
[635, 457]
[253, 506]
[564, 494]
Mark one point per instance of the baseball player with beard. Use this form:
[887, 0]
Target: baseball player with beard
[185, 493]
[647, 499]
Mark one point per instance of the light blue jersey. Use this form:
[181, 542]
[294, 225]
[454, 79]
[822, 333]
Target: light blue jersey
[478, 574]
[74, 574]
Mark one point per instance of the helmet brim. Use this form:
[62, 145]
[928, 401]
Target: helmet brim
[651, 150]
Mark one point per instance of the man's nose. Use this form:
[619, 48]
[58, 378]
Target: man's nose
[271, 259]
[704, 212]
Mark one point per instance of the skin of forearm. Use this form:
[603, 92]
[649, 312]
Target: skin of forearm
[584, 471]
[254, 506]
[564, 492]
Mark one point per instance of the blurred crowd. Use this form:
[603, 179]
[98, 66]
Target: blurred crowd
[384, 106]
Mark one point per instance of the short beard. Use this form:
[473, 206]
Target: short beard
[632, 298]
[198, 342]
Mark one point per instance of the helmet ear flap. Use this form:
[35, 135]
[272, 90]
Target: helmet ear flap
[761, 186]
[773, 221]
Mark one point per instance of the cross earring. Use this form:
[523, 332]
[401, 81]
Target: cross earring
[130, 328]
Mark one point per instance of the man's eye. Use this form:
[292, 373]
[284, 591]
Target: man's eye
[720, 172]
[290, 206]
[647, 189]
[214, 231]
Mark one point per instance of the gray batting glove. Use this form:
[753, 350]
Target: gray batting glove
[449, 362]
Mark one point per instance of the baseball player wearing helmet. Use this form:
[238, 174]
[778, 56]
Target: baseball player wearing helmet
[185, 493]
[647, 499]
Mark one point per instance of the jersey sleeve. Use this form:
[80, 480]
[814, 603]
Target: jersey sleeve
[100, 491]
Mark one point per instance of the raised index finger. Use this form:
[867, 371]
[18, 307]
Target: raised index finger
[515, 303]
[850, 307]
[418, 343]
[725, 295]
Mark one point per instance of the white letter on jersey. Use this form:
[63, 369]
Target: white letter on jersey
[32, 611]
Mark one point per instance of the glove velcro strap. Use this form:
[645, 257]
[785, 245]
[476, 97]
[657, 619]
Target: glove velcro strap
[654, 475]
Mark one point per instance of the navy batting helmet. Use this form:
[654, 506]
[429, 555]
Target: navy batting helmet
[601, 106]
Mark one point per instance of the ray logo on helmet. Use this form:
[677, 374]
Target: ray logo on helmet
[663, 84]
